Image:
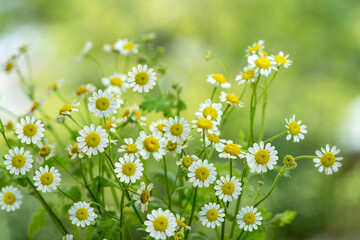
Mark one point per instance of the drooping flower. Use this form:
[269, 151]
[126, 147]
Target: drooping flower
[143, 196]
[46, 151]
[229, 149]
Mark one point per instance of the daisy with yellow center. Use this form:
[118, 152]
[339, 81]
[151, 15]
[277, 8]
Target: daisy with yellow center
[30, 130]
[181, 225]
[142, 79]
[84, 90]
[158, 126]
[249, 218]
[282, 60]
[174, 147]
[8, 66]
[261, 157]
[153, 144]
[255, 48]
[249, 75]
[85, 51]
[129, 148]
[126, 47]
[228, 188]
[218, 80]
[92, 140]
[209, 109]
[295, 129]
[10, 198]
[231, 99]
[202, 173]
[143, 196]
[46, 151]
[81, 214]
[205, 125]
[116, 82]
[132, 114]
[264, 64]
[103, 104]
[229, 149]
[187, 161]
[47, 179]
[327, 160]
[211, 215]
[74, 151]
[129, 169]
[176, 129]
[18, 161]
[160, 224]
[179, 235]
[68, 108]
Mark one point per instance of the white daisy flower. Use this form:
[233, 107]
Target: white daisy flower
[153, 144]
[132, 114]
[68, 108]
[210, 109]
[81, 214]
[158, 126]
[255, 48]
[228, 188]
[231, 99]
[54, 86]
[129, 148]
[202, 173]
[211, 215]
[282, 60]
[205, 125]
[18, 161]
[116, 82]
[295, 130]
[264, 64]
[103, 104]
[160, 224]
[175, 147]
[10, 198]
[75, 151]
[46, 151]
[126, 47]
[47, 179]
[249, 218]
[84, 90]
[176, 129]
[129, 169]
[144, 196]
[142, 79]
[30, 130]
[327, 159]
[187, 161]
[212, 138]
[249, 74]
[68, 237]
[229, 149]
[218, 80]
[92, 140]
[181, 225]
[261, 157]
[85, 51]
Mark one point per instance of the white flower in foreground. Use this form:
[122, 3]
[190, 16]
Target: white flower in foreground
[175, 147]
[75, 151]
[255, 48]
[228, 149]
[143, 196]
[47, 179]
[218, 80]
[181, 225]
[103, 104]
[10, 198]
[264, 64]
[176, 129]
[81, 214]
[209, 109]
[153, 144]
[126, 47]
[261, 157]
[231, 99]
[249, 218]
[206, 125]
[187, 161]
[46, 151]
[128, 169]
[85, 51]
[129, 148]
[202, 173]
[211, 215]
[282, 60]
[228, 188]
[29, 130]
[18, 161]
[249, 75]
[160, 224]
[116, 82]
[295, 130]
[142, 79]
[327, 159]
[92, 140]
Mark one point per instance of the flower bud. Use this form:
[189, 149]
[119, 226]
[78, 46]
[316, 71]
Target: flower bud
[208, 55]
[289, 160]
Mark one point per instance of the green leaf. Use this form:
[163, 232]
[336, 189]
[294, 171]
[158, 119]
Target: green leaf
[158, 104]
[74, 193]
[105, 229]
[182, 173]
[38, 221]
[130, 203]
[104, 182]
[255, 234]
[21, 181]
[181, 105]
[282, 219]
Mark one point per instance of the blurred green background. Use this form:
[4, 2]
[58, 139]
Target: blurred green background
[321, 87]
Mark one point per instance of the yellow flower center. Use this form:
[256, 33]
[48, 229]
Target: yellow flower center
[249, 218]
[264, 53]
[137, 115]
[210, 111]
[262, 157]
[102, 103]
[80, 91]
[108, 125]
[128, 169]
[228, 188]
[9, 66]
[35, 106]
[263, 62]
[202, 173]
[116, 81]
[328, 159]
[204, 123]
[160, 127]
[131, 148]
[74, 149]
[289, 160]
[248, 74]
[213, 137]
[280, 59]
[30, 130]
[180, 223]
[254, 48]
[126, 112]
[92, 139]
[145, 196]
[65, 108]
[171, 146]
[44, 151]
[179, 236]
[294, 128]
[18, 161]
[151, 144]
[232, 149]
[176, 129]
[141, 78]
[82, 214]
[187, 161]
[231, 98]
[129, 46]
[212, 215]
[9, 198]
[53, 86]
[160, 224]
[219, 78]
[47, 179]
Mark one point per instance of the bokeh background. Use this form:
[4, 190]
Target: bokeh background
[322, 87]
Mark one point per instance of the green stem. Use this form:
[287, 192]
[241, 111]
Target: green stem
[97, 63]
[6, 140]
[231, 167]
[76, 122]
[241, 233]
[213, 93]
[304, 157]
[66, 195]
[67, 171]
[204, 143]
[267, 86]
[263, 117]
[86, 184]
[61, 96]
[222, 64]
[167, 183]
[103, 208]
[192, 213]
[275, 137]
[252, 113]
[122, 214]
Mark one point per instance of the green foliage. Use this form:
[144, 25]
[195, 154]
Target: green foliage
[282, 219]
[74, 192]
[38, 221]
[107, 228]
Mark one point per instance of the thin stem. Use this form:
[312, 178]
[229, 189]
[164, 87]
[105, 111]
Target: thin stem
[204, 143]
[97, 63]
[304, 157]
[167, 183]
[213, 93]
[6, 140]
[76, 122]
[126, 63]
[61, 96]
[192, 212]
[103, 208]
[275, 137]
[86, 184]
[231, 167]
[252, 112]
[122, 214]
[263, 117]
[67, 171]
[241, 233]
[66, 195]
[267, 86]
[222, 64]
